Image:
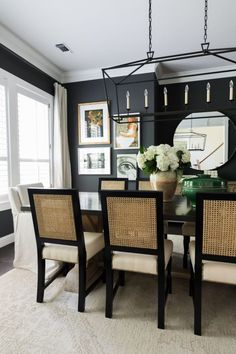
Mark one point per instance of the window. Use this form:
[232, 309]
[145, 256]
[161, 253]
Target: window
[3, 142]
[26, 118]
[34, 145]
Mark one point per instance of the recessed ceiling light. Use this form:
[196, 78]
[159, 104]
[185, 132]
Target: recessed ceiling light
[63, 47]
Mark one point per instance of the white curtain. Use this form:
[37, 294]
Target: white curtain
[61, 157]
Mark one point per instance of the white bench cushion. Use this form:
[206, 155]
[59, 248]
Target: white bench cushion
[94, 243]
[141, 263]
[219, 272]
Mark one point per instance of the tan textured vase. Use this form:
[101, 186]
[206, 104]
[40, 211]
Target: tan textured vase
[165, 182]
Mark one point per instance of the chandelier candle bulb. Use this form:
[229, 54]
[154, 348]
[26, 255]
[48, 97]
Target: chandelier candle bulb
[208, 92]
[146, 98]
[231, 90]
[127, 100]
[165, 97]
[186, 94]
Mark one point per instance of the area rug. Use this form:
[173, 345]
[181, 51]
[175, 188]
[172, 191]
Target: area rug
[55, 327]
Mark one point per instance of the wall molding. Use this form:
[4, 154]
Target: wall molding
[95, 74]
[208, 74]
[6, 240]
[18, 46]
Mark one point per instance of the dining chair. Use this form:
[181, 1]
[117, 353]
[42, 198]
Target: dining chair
[107, 183]
[213, 253]
[231, 186]
[59, 236]
[134, 242]
[24, 257]
[170, 227]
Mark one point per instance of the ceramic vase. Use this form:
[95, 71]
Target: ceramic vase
[165, 182]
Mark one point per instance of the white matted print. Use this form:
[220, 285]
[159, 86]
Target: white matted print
[127, 166]
[93, 123]
[94, 161]
[127, 134]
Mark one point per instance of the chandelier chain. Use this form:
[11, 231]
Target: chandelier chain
[205, 20]
[150, 25]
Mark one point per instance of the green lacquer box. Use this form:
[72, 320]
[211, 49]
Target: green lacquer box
[202, 183]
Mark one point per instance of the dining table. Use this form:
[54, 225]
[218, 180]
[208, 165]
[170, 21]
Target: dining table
[178, 210]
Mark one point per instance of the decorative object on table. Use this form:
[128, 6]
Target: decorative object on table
[127, 134]
[94, 161]
[164, 164]
[127, 166]
[202, 183]
[93, 123]
[125, 88]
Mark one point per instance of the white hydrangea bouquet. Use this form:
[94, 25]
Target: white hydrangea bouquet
[163, 158]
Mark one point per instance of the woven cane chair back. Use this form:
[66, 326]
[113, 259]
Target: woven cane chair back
[231, 186]
[144, 185]
[219, 227]
[55, 216]
[113, 184]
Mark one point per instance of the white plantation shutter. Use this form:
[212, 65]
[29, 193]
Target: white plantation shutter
[3, 142]
[34, 144]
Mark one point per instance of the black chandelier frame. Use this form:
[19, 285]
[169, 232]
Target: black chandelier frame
[136, 65]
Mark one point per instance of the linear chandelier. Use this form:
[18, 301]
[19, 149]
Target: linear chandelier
[119, 86]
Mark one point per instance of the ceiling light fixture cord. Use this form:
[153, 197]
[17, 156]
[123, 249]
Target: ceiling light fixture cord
[150, 52]
[150, 25]
[205, 21]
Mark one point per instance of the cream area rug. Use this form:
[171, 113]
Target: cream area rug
[55, 327]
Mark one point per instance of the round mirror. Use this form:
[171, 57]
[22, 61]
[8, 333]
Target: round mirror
[205, 135]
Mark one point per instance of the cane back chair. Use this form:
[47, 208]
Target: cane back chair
[107, 183]
[134, 241]
[213, 254]
[59, 236]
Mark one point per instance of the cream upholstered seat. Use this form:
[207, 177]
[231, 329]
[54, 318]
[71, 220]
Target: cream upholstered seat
[213, 254]
[25, 255]
[107, 183]
[219, 272]
[93, 242]
[59, 235]
[134, 241]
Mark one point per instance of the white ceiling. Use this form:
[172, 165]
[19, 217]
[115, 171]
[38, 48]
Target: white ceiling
[109, 32]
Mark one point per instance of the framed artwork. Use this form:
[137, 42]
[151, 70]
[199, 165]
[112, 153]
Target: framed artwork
[94, 161]
[93, 123]
[127, 135]
[127, 166]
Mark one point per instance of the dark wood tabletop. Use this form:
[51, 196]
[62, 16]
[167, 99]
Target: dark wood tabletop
[179, 209]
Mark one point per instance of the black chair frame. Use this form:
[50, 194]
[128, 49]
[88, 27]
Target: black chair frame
[79, 243]
[164, 277]
[195, 288]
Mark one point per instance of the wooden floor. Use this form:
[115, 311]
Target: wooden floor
[6, 258]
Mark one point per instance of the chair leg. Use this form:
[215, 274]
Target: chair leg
[109, 291]
[169, 276]
[121, 278]
[191, 281]
[197, 305]
[82, 285]
[41, 279]
[161, 300]
[186, 241]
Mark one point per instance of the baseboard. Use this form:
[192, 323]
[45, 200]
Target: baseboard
[6, 240]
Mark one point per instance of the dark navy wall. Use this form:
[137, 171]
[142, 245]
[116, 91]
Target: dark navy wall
[18, 66]
[91, 91]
